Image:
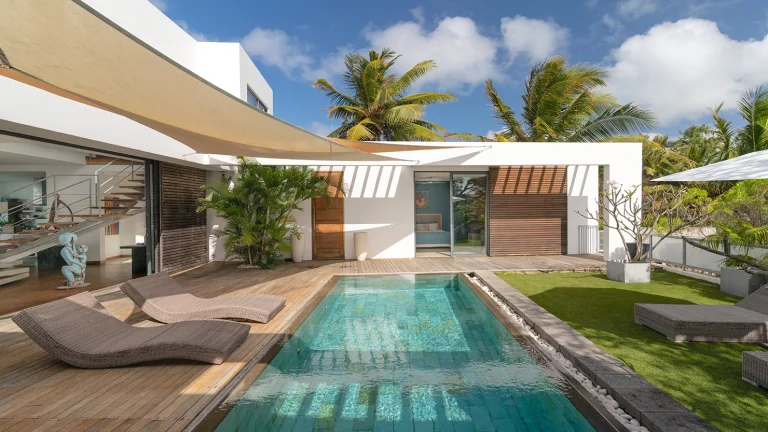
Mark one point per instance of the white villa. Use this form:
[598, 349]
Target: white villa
[134, 135]
[395, 313]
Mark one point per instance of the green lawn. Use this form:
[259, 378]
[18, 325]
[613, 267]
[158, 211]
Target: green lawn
[705, 377]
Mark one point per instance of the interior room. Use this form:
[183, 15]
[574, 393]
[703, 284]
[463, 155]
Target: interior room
[49, 190]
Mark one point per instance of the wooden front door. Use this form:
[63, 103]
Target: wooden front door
[328, 223]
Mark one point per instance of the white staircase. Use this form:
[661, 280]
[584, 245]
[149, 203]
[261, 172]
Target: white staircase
[68, 209]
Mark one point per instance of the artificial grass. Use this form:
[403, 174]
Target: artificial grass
[705, 377]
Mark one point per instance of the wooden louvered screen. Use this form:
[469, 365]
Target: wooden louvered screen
[528, 210]
[183, 231]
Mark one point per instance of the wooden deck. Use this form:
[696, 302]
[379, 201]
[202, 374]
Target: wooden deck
[41, 394]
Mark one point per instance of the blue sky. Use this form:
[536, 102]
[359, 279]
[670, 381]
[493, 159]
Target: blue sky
[675, 57]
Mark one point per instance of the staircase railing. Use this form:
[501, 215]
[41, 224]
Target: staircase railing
[77, 202]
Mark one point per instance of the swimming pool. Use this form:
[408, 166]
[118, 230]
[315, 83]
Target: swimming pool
[404, 353]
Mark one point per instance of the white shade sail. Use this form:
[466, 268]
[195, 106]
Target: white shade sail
[748, 167]
[67, 48]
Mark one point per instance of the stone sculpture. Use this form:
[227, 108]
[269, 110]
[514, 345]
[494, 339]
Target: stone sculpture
[75, 257]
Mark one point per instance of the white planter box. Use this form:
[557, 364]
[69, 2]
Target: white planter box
[629, 272]
[738, 282]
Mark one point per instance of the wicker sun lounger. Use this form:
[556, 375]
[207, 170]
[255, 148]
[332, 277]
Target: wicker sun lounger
[754, 369]
[80, 331]
[746, 321]
[163, 299]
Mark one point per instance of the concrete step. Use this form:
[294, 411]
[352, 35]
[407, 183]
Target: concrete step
[136, 194]
[57, 224]
[122, 199]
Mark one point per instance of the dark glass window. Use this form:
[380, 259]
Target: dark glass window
[255, 101]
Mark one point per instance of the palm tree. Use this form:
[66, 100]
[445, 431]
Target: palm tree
[564, 103]
[258, 205]
[753, 107]
[377, 105]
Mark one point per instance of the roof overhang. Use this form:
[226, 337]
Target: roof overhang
[67, 48]
[748, 167]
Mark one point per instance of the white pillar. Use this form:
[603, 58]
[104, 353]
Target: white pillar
[582, 197]
[626, 173]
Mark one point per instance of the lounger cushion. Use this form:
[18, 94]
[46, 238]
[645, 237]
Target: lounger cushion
[80, 331]
[713, 323]
[163, 299]
[757, 301]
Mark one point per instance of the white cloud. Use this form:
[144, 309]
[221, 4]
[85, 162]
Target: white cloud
[418, 14]
[464, 56]
[631, 9]
[321, 129]
[276, 48]
[532, 37]
[198, 36]
[328, 67]
[591, 4]
[680, 69]
[162, 5]
[614, 25]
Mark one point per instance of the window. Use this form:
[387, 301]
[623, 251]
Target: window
[255, 101]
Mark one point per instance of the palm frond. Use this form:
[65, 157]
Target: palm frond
[362, 131]
[403, 113]
[624, 120]
[426, 98]
[503, 113]
[336, 97]
[406, 81]
[418, 131]
[753, 107]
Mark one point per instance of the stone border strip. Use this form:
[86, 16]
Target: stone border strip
[654, 409]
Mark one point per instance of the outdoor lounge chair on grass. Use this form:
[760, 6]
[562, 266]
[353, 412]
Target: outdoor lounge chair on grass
[754, 369]
[80, 331]
[163, 299]
[746, 321]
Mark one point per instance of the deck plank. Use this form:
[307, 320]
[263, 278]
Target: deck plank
[40, 393]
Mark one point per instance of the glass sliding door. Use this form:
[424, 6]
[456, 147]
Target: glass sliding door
[432, 204]
[469, 211]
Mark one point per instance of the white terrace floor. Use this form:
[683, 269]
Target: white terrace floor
[40, 393]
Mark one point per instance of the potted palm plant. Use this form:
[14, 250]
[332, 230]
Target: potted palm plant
[661, 211]
[257, 205]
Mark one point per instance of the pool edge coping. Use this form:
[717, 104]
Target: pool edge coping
[653, 408]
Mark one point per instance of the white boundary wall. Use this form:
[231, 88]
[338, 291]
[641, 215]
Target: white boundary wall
[673, 250]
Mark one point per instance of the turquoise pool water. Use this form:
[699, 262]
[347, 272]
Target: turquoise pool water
[403, 353]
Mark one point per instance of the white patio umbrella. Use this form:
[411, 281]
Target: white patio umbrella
[748, 167]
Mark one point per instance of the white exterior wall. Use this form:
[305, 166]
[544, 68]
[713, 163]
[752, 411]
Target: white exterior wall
[251, 77]
[582, 195]
[379, 201]
[41, 114]
[393, 218]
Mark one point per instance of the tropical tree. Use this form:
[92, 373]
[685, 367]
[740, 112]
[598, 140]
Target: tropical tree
[257, 206]
[753, 107]
[377, 105]
[566, 103]
[701, 145]
[740, 220]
